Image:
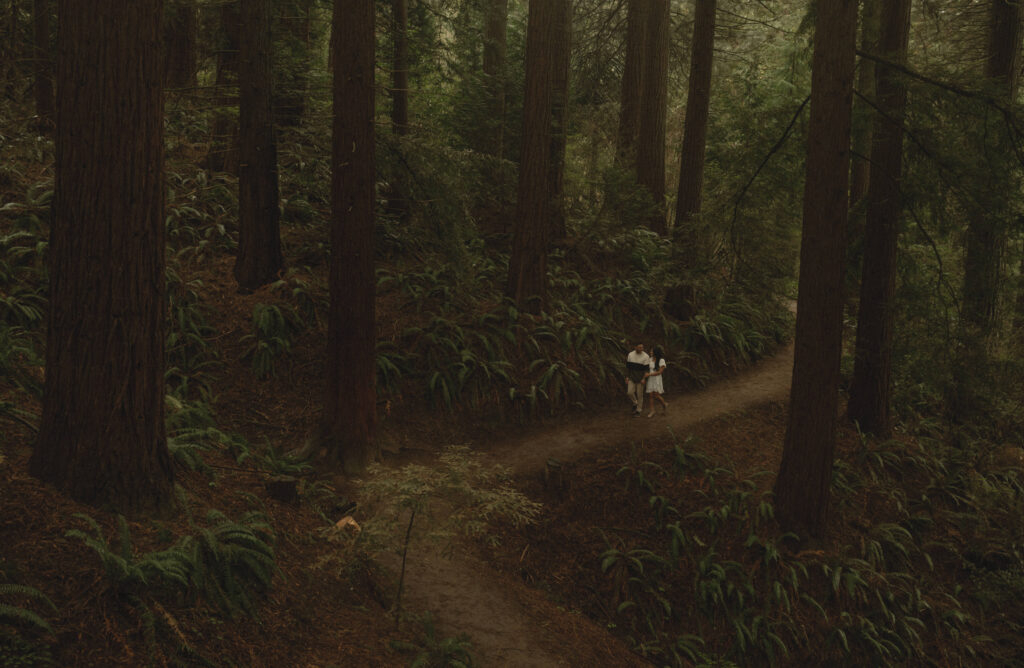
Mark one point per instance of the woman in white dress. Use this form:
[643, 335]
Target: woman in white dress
[655, 384]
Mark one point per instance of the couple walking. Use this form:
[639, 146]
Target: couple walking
[645, 371]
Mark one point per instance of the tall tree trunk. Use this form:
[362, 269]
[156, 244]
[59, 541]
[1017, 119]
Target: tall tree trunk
[860, 168]
[559, 117]
[802, 486]
[691, 162]
[259, 256]
[632, 82]
[181, 33]
[350, 406]
[984, 237]
[528, 265]
[495, 28]
[223, 156]
[650, 159]
[102, 437]
[43, 64]
[871, 390]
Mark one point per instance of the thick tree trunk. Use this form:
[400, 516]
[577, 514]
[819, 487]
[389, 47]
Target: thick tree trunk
[632, 82]
[870, 393]
[805, 474]
[223, 156]
[43, 64]
[259, 238]
[102, 436]
[350, 416]
[559, 117]
[527, 270]
[650, 158]
[181, 32]
[698, 100]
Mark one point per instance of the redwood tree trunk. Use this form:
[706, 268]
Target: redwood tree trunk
[805, 474]
[181, 31]
[559, 116]
[527, 270]
[350, 416]
[984, 238]
[223, 156]
[650, 158]
[632, 82]
[860, 170]
[870, 393]
[259, 238]
[495, 28]
[102, 438]
[691, 162]
[43, 63]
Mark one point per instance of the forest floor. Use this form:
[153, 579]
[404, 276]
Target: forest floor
[510, 602]
[510, 626]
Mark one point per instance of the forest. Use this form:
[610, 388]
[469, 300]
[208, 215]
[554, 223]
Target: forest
[315, 319]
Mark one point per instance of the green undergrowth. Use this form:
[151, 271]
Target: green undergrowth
[924, 565]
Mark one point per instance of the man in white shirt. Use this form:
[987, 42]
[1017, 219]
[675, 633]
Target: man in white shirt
[638, 363]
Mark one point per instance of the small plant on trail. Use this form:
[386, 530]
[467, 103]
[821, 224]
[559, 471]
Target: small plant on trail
[460, 495]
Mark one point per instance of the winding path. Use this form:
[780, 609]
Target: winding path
[507, 625]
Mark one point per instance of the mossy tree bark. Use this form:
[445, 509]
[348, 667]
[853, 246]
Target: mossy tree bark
[102, 437]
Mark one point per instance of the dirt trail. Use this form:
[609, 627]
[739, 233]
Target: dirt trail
[508, 626]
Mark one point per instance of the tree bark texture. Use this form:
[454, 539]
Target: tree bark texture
[223, 156]
[698, 100]
[495, 50]
[43, 62]
[650, 153]
[181, 34]
[871, 390]
[102, 438]
[802, 486]
[985, 238]
[632, 82]
[527, 270]
[559, 116]
[259, 256]
[350, 405]
[860, 169]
